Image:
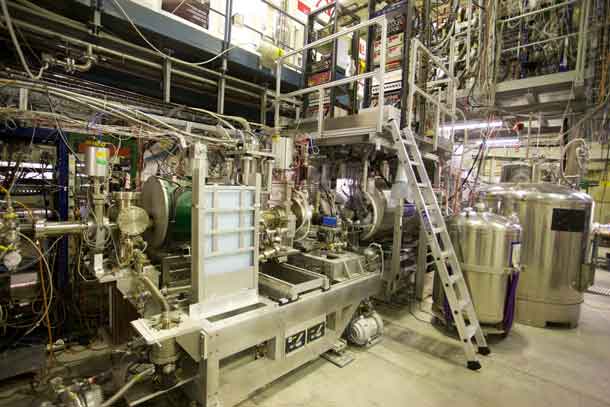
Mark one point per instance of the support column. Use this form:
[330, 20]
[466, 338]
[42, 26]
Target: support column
[406, 51]
[167, 80]
[63, 173]
[222, 82]
[197, 220]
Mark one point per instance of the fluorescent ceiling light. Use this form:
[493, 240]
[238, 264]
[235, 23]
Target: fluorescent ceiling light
[501, 142]
[473, 126]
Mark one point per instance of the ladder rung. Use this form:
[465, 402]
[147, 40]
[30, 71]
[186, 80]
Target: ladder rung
[446, 254]
[470, 331]
[432, 207]
[454, 278]
[462, 304]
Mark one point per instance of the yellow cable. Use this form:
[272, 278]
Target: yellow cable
[24, 206]
[46, 304]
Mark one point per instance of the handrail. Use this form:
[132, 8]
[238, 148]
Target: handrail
[541, 10]
[331, 37]
[380, 73]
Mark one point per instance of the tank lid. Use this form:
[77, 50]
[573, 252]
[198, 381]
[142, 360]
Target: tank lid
[539, 191]
[485, 219]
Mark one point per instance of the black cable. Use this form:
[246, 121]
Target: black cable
[474, 163]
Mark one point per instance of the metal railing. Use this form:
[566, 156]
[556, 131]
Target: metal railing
[581, 33]
[450, 82]
[381, 21]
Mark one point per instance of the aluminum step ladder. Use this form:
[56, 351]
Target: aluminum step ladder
[445, 259]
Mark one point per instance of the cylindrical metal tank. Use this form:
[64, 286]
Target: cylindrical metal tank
[382, 211]
[169, 205]
[96, 161]
[516, 172]
[555, 221]
[487, 246]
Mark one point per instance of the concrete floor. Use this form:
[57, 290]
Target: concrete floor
[416, 365]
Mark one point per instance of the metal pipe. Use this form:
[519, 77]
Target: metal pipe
[46, 229]
[270, 165]
[174, 290]
[127, 57]
[158, 295]
[222, 82]
[97, 48]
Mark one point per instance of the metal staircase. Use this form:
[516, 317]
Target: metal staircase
[447, 264]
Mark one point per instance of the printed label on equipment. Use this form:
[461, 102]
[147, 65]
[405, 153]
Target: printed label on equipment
[569, 220]
[315, 332]
[295, 341]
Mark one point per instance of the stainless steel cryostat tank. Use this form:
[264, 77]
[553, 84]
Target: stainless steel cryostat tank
[556, 222]
[487, 246]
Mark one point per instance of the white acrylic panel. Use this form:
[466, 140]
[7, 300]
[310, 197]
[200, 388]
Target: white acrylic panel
[228, 242]
[229, 264]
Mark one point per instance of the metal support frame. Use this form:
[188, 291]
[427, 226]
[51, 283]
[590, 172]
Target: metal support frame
[269, 327]
[447, 109]
[263, 111]
[312, 19]
[577, 75]
[380, 73]
[422, 264]
[63, 196]
[406, 45]
[407, 10]
[121, 49]
[390, 277]
[167, 80]
[581, 60]
[215, 290]
[226, 43]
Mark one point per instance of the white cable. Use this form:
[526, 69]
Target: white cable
[150, 44]
[50, 275]
[120, 111]
[11, 30]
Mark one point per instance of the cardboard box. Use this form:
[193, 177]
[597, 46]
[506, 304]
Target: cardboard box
[392, 54]
[393, 41]
[318, 78]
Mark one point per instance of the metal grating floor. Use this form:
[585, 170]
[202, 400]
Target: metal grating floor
[594, 289]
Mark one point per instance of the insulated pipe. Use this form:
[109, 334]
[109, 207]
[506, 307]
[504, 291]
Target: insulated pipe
[128, 386]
